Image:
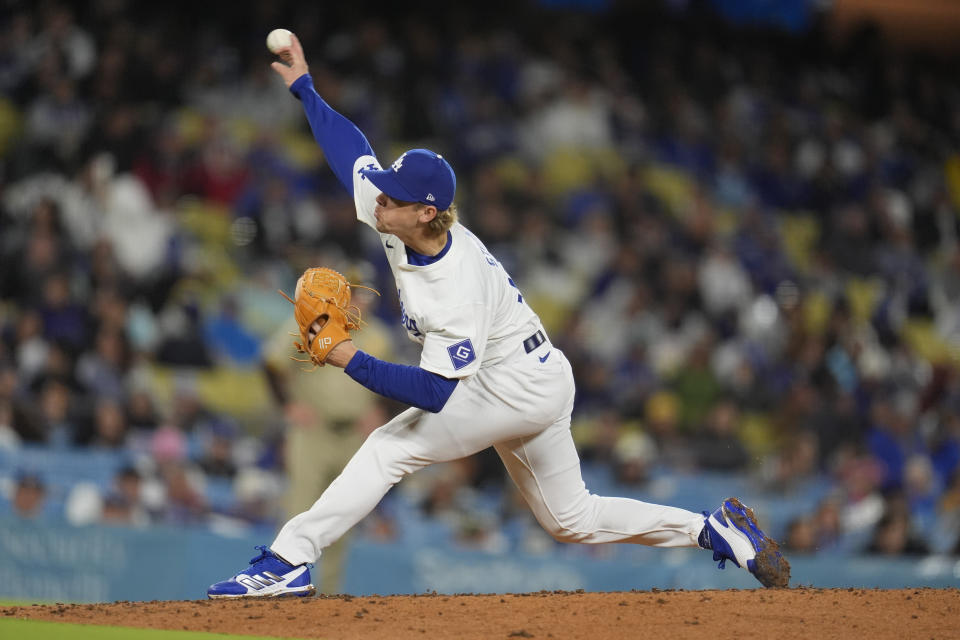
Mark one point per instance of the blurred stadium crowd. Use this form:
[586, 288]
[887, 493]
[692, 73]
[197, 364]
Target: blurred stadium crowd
[744, 241]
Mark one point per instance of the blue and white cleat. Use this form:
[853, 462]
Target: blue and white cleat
[267, 576]
[732, 533]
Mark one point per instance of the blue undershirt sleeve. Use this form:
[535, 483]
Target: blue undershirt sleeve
[342, 142]
[410, 385]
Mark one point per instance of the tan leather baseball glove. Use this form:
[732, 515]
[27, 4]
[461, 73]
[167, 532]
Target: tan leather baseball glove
[321, 305]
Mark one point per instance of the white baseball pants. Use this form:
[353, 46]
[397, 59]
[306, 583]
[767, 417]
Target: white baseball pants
[521, 407]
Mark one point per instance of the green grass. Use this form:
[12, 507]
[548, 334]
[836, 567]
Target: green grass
[36, 630]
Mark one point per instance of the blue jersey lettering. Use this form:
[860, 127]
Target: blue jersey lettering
[408, 323]
[493, 262]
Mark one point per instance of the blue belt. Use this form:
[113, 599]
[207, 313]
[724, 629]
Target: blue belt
[534, 341]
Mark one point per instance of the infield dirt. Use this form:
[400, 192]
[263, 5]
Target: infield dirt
[776, 613]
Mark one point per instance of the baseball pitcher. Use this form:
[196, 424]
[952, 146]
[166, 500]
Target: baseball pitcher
[488, 376]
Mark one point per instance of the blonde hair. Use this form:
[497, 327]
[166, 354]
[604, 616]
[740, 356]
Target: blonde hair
[441, 222]
[445, 219]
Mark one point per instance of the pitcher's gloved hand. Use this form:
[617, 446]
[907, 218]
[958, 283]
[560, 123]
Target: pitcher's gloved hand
[323, 312]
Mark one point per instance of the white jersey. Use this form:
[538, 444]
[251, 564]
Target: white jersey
[464, 308]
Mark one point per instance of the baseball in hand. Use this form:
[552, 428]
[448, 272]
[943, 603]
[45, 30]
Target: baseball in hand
[278, 39]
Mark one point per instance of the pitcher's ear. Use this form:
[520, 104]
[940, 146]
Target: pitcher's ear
[427, 213]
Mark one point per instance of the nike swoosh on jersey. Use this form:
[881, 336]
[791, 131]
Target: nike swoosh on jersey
[389, 246]
[544, 358]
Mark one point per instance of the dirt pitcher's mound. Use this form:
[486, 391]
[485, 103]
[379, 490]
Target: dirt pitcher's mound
[781, 614]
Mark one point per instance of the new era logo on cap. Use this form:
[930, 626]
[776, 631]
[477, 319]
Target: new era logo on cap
[418, 175]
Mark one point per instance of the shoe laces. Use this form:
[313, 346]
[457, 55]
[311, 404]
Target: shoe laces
[264, 553]
[705, 542]
[704, 538]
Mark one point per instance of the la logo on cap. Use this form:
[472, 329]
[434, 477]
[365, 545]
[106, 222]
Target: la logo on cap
[418, 175]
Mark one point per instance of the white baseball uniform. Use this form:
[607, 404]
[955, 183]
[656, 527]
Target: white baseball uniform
[515, 393]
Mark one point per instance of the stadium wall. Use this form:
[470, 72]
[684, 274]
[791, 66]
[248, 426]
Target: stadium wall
[102, 564]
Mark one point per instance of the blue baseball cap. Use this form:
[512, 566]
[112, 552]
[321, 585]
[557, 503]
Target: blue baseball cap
[419, 175]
